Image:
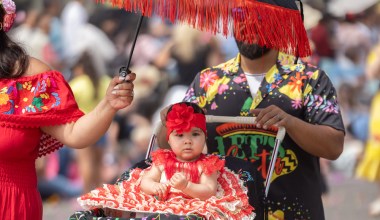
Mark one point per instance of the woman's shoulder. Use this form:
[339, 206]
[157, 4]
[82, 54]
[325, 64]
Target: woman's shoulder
[38, 70]
[36, 67]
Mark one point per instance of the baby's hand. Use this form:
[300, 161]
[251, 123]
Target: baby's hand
[179, 181]
[160, 190]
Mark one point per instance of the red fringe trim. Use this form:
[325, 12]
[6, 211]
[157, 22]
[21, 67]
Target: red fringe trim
[268, 25]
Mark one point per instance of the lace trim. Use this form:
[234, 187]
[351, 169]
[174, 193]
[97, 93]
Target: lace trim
[36, 121]
[48, 144]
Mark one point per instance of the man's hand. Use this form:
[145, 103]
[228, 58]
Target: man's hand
[271, 116]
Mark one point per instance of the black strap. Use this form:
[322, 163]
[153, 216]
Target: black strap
[301, 10]
[303, 19]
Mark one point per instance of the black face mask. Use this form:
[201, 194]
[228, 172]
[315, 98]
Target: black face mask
[251, 51]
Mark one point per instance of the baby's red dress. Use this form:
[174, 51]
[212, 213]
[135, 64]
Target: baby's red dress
[27, 104]
[230, 201]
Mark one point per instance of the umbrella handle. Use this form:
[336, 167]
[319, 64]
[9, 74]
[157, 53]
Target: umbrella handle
[124, 71]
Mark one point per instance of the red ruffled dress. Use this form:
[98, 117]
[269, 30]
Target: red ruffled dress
[230, 202]
[26, 104]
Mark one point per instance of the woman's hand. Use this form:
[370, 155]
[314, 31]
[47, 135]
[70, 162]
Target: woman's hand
[120, 91]
[179, 181]
[271, 115]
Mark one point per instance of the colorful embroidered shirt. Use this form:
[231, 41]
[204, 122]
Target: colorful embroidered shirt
[301, 90]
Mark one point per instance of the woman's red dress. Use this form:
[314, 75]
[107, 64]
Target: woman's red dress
[27, 104]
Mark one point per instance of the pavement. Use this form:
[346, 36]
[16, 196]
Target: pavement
[349, 198]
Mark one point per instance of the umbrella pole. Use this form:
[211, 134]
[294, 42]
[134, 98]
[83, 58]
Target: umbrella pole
[125, 69]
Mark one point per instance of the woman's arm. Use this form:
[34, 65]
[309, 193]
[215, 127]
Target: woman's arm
[89, 128]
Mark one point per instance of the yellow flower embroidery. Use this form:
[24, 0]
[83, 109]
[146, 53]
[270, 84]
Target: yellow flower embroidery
[25, 99]
[4, 98]
[4, 90]
[27, 85]
[44, 95]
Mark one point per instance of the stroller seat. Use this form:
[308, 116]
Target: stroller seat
[245, 170]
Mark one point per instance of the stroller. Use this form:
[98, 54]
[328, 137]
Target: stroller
[247, 172]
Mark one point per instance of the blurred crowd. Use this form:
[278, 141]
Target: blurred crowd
[89, 42]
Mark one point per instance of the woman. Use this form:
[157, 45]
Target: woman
[369, 165]
[38, 114]
[89, 87]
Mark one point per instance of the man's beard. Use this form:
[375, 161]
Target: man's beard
[251, 51]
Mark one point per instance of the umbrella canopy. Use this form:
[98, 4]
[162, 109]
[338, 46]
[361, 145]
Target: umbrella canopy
[276, 24]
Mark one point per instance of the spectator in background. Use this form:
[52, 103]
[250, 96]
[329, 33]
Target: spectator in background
[21, 33]
[51, 183]
[88, 86]
[191, 51]
[323, 37]
[54, 8]
[369, 165]
[76, 26]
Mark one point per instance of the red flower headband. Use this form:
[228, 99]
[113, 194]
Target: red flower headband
[10, 14]
[182, 118]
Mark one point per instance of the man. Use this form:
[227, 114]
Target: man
[299, 97]
[280, 90]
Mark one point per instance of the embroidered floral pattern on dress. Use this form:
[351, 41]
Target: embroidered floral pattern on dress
[22, 98]
[35, 101]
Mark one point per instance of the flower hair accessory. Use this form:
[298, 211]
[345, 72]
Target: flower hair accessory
[182, 118]
[10, 14]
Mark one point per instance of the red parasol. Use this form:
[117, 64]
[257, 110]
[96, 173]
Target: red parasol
[276, 24]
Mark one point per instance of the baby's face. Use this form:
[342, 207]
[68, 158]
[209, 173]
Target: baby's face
[187, 146]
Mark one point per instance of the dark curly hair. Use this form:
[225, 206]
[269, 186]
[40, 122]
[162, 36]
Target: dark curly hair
[13, 59]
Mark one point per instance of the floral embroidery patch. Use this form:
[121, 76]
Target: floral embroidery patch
[31, 96]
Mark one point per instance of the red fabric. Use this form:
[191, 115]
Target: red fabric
[172, 165]
[26, 104]
[182, 118]
[269, 25]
